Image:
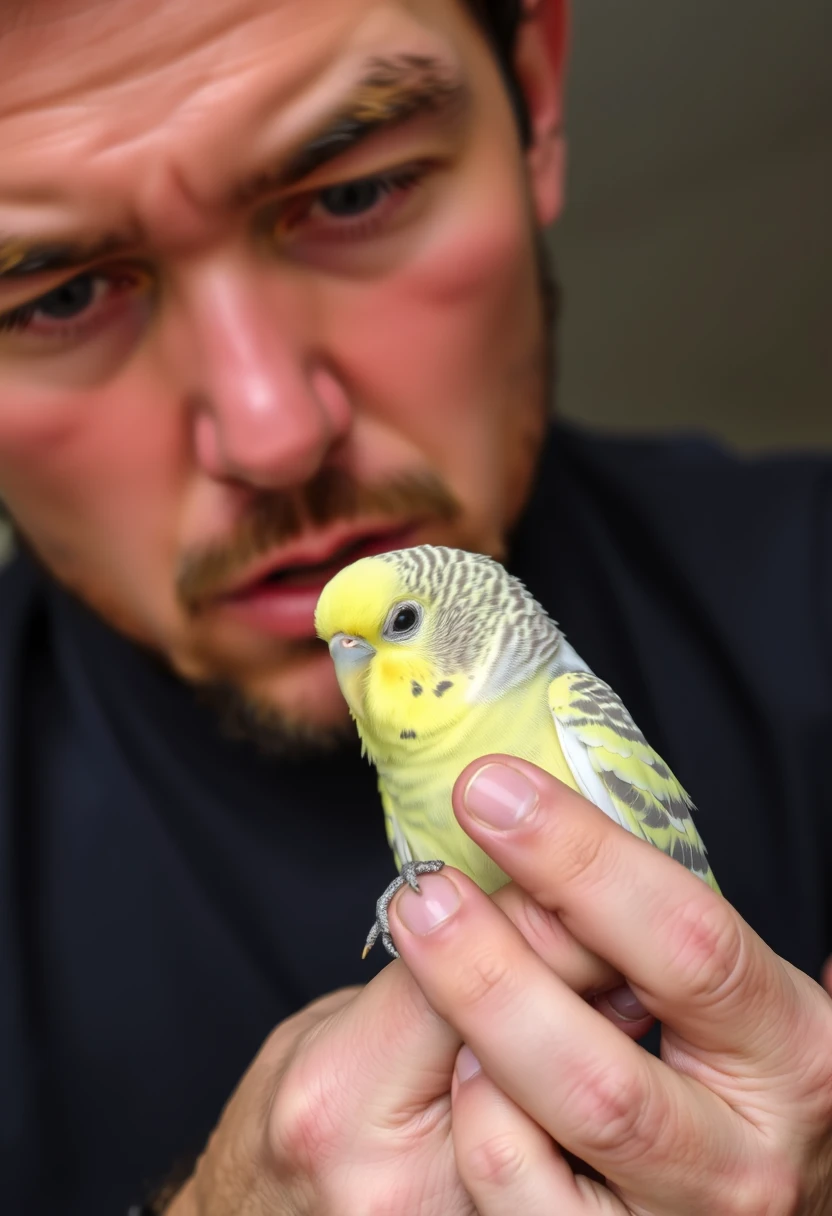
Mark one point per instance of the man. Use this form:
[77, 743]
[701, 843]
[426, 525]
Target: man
[272, 298]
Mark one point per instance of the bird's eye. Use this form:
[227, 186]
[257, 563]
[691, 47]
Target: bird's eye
[403, 621]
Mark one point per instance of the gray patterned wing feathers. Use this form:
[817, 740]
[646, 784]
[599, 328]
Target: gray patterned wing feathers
[616, 768]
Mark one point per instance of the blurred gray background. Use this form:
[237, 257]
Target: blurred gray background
[696, 250]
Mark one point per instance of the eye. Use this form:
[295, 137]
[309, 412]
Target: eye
[352, 210]
[403, 621]
[68, 300]
[353, 198]
[78, 308]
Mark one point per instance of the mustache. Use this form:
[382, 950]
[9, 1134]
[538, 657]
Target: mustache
[276, 517]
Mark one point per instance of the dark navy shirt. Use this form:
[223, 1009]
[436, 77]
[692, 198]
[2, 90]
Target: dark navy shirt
[167, 895]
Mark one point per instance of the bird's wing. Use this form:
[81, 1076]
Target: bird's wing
[395, 836]
[616, 768]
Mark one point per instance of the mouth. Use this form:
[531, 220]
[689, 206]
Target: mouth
[280, 596]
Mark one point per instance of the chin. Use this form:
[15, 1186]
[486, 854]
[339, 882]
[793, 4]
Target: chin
[288, 705]
[313, 721]
[305, 691]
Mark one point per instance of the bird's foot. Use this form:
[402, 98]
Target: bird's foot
[408, 874]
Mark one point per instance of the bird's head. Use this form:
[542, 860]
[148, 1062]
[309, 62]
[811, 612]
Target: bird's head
[381, 628]
[419, 636]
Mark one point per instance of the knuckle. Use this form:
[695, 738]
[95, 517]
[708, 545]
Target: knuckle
[295, 1139]
[583, 854]
[709, 949]
[486, 978]
[609, 1110]
[543, 929]
[495, 1163]
[301, 1132]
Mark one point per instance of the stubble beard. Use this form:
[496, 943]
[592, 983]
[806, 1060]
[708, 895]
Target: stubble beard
[273, 731]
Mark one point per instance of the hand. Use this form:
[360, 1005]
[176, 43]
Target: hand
[347, 1107]
[737, 1115]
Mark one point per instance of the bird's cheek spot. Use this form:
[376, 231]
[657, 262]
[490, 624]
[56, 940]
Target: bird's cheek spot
[499, 797]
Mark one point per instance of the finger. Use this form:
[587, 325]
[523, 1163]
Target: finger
[399, 1056]
[583, 970]
[621, 1006]
[507, 1163]
[687, 954]
[631, 1117]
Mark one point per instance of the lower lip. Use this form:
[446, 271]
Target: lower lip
[289, 612]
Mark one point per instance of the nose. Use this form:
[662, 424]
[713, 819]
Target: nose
[267, 406]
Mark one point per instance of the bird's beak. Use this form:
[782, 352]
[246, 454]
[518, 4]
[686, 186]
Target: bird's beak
[351, 656]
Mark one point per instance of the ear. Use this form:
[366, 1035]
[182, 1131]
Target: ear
[540, 64]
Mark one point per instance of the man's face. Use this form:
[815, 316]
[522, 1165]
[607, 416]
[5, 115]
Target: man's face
[270, 301]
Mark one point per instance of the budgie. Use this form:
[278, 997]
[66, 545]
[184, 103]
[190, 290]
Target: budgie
[443, 656]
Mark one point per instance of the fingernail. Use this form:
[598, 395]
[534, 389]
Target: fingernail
[467, 1064]
[626, 1004]
[436, 901]
[499, 796]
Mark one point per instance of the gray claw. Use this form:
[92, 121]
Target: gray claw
[408, 874]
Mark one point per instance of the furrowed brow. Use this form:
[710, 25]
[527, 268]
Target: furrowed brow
[393, 91]
[20, 259]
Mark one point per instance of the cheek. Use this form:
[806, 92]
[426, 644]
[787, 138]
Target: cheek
[460, 315]
[468, 310]
[448, 350]
[88, 477]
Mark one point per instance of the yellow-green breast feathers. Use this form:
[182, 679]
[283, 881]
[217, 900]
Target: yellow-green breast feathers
[443, 656]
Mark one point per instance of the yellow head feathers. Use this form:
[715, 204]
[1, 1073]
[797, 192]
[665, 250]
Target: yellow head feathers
[419, 636]
[357, 599]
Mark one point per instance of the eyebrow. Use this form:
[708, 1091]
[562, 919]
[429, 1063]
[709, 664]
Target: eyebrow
[21, 260]
[393, 91]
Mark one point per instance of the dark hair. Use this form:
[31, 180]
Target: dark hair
[500, 20]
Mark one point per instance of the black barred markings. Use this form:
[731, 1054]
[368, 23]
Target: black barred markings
[669, 810]
[442, 687]
[466, 593]
[416, 688]
[408, 734]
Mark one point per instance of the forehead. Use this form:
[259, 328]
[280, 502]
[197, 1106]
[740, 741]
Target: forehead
[53, 50]
[137, 88]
